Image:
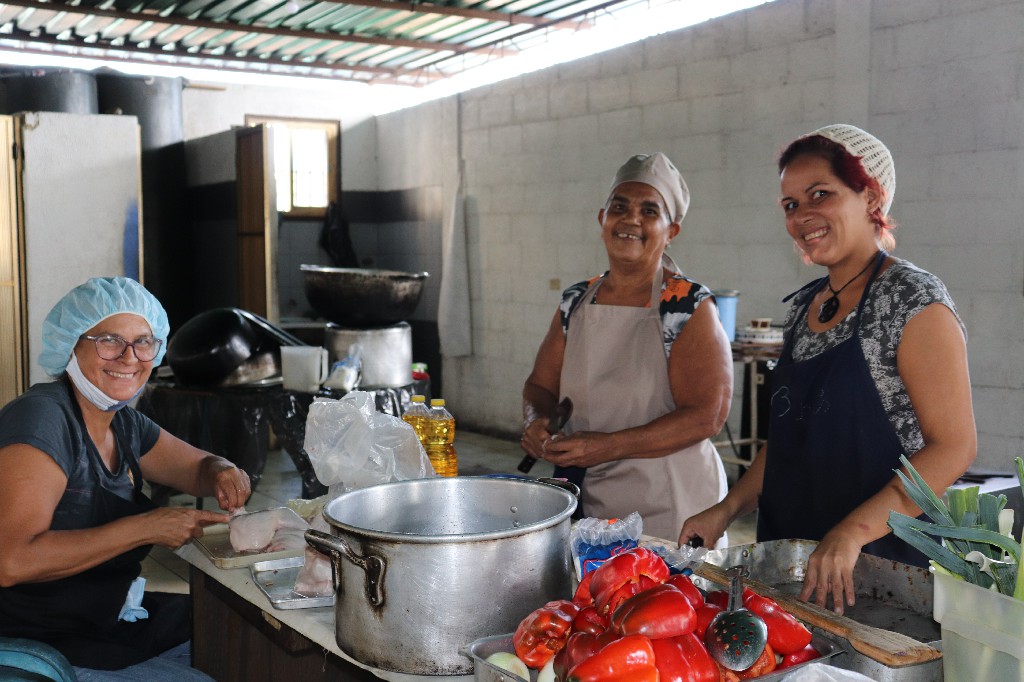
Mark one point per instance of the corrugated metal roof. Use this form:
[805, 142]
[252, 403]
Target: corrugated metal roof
[371, 41]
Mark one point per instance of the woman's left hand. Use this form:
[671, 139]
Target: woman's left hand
[231, 485]
[830, 571]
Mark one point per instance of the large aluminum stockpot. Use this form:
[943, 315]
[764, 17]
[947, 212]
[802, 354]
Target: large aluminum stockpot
[386, 353]
[423, 567]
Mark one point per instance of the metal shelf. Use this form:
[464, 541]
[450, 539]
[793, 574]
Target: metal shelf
[748, 354]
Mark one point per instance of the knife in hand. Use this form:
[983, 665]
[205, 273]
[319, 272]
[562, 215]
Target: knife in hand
[562, 413]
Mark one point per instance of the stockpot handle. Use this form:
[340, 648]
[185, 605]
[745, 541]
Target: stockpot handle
[563, 484]
[373, 566]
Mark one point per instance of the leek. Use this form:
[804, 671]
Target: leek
[1018, 591]
[964, 523]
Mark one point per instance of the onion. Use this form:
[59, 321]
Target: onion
[547, 673]
[509, 662]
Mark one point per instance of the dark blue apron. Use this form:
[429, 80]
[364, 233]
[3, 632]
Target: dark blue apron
[78, 615]
[830, 443]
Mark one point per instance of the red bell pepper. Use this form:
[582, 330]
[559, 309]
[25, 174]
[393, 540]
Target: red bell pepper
[706, 614]
[624, 575]
[630, 659]
[719, 598]
[808, 653]
[764, 664]
[579, 647]
[582, 597]
[684, 659]
[686, 586]
[543, 633]
[728, 675]
[590, 621]
[662, 611]
[786, 634]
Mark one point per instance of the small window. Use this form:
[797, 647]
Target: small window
[305, 163]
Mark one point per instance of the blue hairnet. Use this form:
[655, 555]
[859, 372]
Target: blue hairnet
[87, 305]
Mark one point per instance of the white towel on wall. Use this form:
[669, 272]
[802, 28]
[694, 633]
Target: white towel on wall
[453, 308]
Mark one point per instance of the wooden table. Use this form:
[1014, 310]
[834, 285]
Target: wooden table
[239, 636]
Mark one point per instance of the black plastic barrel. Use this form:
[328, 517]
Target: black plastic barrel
[72, 92]
[155, 101]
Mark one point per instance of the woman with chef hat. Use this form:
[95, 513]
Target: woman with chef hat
[874, 366]
[76, 524]
[645, 361]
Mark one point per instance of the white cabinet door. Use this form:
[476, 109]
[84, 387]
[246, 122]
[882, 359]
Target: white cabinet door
[80, 186]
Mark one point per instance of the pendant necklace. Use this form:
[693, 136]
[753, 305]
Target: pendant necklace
[828, 309]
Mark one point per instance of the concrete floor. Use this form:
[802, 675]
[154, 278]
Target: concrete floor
[478, 454]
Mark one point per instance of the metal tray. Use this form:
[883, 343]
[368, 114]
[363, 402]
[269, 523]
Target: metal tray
[890, 596]
[276, 579]
[485, 672]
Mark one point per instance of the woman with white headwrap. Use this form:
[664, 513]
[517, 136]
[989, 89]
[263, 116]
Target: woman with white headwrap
[73, 458]
[874, 366]
[642, 355]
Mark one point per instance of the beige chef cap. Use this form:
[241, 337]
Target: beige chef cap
[657, 171]
[874, 156]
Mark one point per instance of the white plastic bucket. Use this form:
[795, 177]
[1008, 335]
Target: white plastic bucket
[981, 631]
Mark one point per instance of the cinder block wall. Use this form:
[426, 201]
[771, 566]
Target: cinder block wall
[940, 83]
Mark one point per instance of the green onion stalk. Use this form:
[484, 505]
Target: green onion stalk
[963, 537]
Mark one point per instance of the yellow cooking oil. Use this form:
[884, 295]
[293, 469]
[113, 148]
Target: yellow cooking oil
[416, 417]
[440, 436]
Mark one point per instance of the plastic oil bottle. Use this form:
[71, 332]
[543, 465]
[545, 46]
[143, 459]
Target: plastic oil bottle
[416, 417]
[440, 428]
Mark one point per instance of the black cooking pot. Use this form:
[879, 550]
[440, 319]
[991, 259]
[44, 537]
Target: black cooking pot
[362, 297]
[227, 347]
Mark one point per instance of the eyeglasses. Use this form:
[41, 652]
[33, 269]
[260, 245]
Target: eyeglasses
[112, 346]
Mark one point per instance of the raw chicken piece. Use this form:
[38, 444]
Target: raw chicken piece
[274, 529]
[315, 579]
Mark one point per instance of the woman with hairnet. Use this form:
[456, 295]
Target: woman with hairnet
[73, 458]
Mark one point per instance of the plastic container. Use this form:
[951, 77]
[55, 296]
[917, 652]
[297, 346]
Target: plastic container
[727, 300]
[416, 417]
[982, 631]
[440, 436]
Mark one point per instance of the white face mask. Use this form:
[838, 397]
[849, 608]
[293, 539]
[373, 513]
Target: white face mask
[93, 394]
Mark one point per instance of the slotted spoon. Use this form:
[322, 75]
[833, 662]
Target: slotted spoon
[736, 637]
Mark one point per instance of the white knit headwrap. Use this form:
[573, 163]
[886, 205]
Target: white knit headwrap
[874, 156]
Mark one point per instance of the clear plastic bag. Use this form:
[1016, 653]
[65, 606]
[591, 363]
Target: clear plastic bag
[593, 541]
[351, 445]
[348, 372]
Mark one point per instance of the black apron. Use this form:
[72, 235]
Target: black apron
[830, 444]
[78, 615]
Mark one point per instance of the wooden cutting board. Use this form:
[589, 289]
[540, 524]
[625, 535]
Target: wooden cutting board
[889, 648]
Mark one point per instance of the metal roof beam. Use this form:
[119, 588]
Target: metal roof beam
[608, 4]
[486, 15]
[173, 20]
[397, 74]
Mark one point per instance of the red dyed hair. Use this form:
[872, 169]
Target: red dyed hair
[847, 168]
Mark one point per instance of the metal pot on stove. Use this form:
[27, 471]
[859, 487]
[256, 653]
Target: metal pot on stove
[423, 567]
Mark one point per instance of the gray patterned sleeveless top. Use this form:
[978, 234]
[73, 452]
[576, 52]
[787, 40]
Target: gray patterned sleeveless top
[897, 294]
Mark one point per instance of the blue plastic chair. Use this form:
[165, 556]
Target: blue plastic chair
[29, 660]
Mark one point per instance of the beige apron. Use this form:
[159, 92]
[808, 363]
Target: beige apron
[616, 373]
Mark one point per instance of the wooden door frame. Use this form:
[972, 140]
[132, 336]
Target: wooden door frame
[257, 223]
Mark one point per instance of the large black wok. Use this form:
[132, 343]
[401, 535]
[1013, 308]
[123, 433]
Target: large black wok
[227, 347]
[362, 297]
